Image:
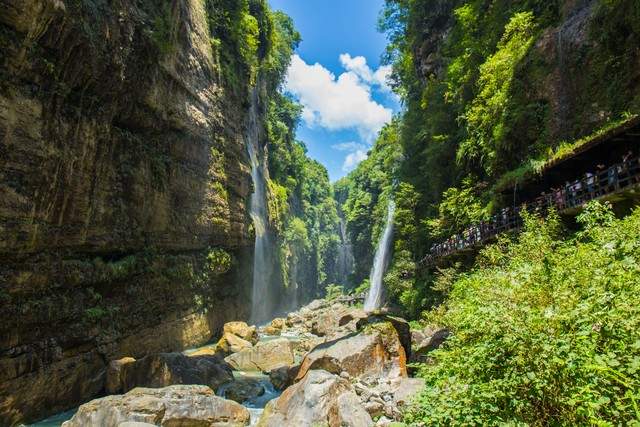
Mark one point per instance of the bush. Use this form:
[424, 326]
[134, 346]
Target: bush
[546, 331]
[219, 261]
[333, 292]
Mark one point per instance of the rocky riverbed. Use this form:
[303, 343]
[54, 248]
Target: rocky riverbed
[325, 364]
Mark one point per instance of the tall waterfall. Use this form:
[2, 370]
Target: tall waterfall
[262, 294]
[380, 263]
[345, 260]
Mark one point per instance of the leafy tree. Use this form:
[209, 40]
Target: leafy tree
[545, 331]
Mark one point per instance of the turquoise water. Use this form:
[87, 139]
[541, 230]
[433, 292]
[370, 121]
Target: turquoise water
[55, 421]
[256, 405]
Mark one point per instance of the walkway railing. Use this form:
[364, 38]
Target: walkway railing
[572, 195]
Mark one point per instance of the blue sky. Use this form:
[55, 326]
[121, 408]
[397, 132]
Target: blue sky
[337, 76]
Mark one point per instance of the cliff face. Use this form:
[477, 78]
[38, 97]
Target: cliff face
[123, 188]
[580, 72]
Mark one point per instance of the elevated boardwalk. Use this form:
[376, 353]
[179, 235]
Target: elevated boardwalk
[618, 181]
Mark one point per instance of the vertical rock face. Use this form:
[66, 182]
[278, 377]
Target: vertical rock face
[581, 72]
[123, 182]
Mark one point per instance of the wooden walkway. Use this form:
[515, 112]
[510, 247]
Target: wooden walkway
[592, 186]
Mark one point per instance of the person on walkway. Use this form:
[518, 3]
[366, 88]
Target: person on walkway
[577, 189]
[590, 180]
[612, 178]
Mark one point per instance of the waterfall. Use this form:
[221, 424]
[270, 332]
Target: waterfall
[345, 260]
[380, 263]
[262, 294]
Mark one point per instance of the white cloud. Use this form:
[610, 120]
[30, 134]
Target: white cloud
[357, 152]
[358, 66]
[353, 159]
[338, 103]
[349, 146]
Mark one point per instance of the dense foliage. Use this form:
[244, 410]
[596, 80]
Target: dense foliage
[546, 330]
[492, 90]
[254, 46]
[302, 205]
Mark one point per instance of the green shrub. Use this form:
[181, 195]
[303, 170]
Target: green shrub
[546, 331]
[95, 314]
[333, 292]
[219, 261]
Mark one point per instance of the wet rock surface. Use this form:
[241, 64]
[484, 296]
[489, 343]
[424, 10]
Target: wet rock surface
[182, 405]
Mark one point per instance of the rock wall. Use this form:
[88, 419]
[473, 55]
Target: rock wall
[123, 188]
[582, 71]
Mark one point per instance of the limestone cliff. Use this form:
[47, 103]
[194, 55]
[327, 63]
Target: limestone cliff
[123, 187]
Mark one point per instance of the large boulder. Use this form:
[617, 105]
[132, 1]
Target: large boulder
[326, 322]
[242, 330]
[230, 343]
[283, 376]
[181, 405]
[264, 356]
[406, 390]
[114, 379]
[433, 339]
[321, 399]
[399, 324]
[278, 323]
[375, 351]
[165, 369]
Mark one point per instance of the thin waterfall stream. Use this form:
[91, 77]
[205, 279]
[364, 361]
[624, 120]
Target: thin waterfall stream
[345, 260]
[380, 263]
[262, 295]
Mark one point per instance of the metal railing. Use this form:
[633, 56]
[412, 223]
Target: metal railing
[571, 195]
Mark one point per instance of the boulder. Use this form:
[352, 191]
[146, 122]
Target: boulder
[406, 390]
[352, 317]
[278, 323]
[264, 356]
[270, 330]
[375, 409]
[242, 330]
[321, 399]
[230, 343]
[315, 305]
[165, 369]
[375, 351]
[326, 322]
[114, 380]
[433, 341]
[283, 376]
[243, 389]
[305, 344]
[181, 405]
[207, 351]
[400, 325]
[294, 319]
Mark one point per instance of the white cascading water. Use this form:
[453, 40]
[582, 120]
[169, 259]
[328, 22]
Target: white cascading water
[380, 263]
[345, 262]
[261, 302]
